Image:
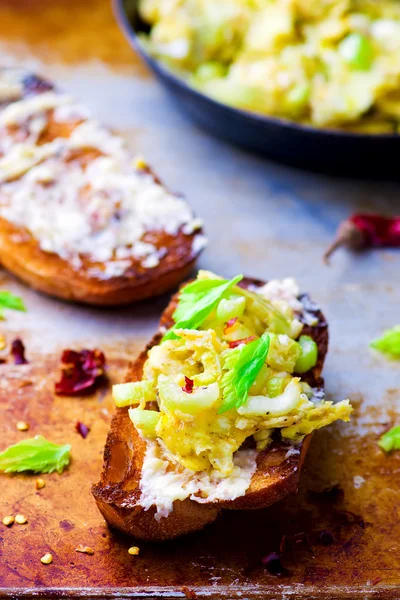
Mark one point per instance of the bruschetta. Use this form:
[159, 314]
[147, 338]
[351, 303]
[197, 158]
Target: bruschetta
[80, 218]
[217, 412]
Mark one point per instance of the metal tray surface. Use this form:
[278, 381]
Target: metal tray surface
[263, 220]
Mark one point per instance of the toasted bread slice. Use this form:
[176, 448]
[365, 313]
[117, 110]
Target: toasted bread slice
[77, 219]
[118, 492]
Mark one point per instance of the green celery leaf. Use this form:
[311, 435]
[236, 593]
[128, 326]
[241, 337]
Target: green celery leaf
[243, 366]
[35, 454]
[197, 300]
[390, 440]
[9, 300]
[389, 342]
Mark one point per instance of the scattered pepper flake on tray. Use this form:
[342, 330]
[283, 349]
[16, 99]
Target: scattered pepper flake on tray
[82, 429]
[18, 352]
[389, 342]
[134, 550]
[390, 440]
[325, 537]
[21, 519]
[362, 231]
[80, 371]
[47, 559]
[35, 454]
[40, 484]
[272, 562]
[10, 301]
[8, 520]
[84, 549]
[22, 426]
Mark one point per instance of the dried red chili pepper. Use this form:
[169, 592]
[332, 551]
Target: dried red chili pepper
[80, 371]
[188, 387]
[18, 352]
[366, 231]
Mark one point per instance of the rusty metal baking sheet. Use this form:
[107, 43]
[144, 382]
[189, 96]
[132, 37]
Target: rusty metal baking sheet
[263, 220]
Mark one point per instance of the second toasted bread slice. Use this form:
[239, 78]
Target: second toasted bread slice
[78, 219]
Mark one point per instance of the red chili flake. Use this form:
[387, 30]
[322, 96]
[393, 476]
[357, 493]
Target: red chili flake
[273, 564]
[237, 343]
[366, 231]
[188, 387]
[82, 429]
[325, 537]
[376, 580]
[230, 324]
[329, 495]
[80, 371]
[18, 352]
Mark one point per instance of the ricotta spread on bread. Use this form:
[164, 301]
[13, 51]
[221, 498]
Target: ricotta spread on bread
[105, 208]
[162, 483]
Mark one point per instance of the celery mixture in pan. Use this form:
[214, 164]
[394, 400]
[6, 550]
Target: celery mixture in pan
[230, 369]
[327, 63]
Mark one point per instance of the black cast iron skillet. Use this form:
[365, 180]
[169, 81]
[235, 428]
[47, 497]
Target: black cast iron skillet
[330, 151]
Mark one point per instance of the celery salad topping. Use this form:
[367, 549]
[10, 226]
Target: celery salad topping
[229, 369]
[328, 63]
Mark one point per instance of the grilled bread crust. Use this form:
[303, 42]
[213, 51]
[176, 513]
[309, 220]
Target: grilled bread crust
[47, 272]
[118, 492]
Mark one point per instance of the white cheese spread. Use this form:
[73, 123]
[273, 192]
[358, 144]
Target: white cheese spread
[162, 482]
[101, 210]
[283, 292]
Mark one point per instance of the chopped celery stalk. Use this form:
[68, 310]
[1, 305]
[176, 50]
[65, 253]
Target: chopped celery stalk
[276, 385]
[309, 356]
[229, 308]
[265, 310]
[135, 392]
[280, 405]
[174, 398]
[261, 381]
[283, 353]
[298, 97]
[210, 70]
[145, 420]
[235, 94]
[357, 51]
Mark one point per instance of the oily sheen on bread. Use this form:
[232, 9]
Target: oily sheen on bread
[77, 219]
[118, 492]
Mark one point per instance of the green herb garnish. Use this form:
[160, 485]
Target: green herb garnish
[243, 366]
[197, 300]
[389, 342]
[390, 440]
[35, 454]
[10, 301]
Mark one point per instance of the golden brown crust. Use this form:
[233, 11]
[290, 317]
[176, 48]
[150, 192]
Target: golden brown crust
[49, 273]
[118, 491]
[52, 275]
